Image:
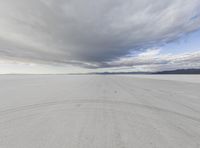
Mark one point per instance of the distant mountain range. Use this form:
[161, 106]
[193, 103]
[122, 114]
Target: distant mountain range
[178, 71]
[119, 73]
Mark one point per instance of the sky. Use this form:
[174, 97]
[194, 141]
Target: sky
[81, 36]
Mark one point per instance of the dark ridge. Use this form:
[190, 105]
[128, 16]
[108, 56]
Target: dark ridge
[180, 71]
[120, 73]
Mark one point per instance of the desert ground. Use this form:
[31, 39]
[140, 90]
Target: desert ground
[99, 111]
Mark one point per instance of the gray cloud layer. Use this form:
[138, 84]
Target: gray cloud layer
[90, 33]
[153, 60]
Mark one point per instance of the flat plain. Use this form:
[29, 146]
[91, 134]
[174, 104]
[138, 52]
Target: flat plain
[99, 111]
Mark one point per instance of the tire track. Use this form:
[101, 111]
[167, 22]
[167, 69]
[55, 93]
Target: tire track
[96, 101]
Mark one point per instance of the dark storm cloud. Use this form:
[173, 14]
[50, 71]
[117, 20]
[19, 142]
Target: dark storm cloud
[90, 33]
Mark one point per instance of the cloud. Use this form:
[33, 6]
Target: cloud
[153, 60]
[91, 33]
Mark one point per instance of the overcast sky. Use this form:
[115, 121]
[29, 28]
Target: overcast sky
[69, 36]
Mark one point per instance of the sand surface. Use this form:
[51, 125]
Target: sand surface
[60, 111]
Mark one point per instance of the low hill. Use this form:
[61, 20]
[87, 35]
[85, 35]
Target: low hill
[180, 71]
